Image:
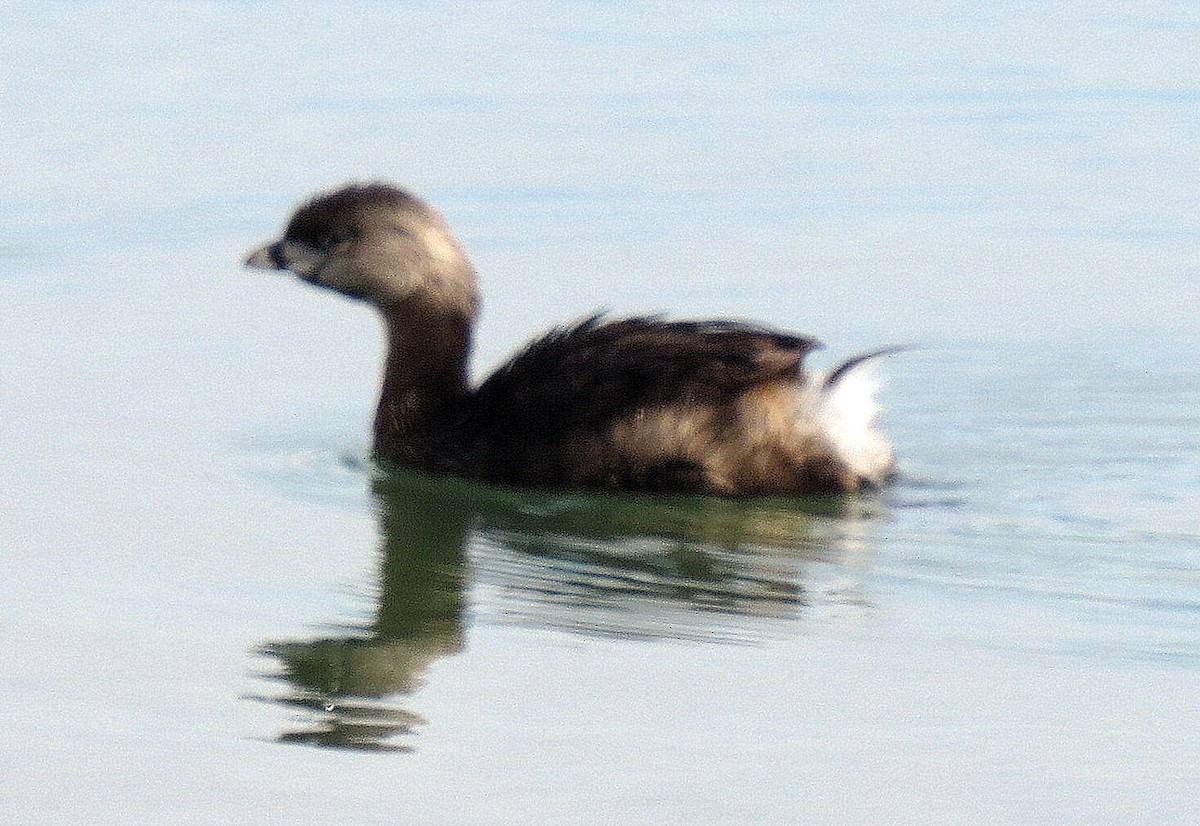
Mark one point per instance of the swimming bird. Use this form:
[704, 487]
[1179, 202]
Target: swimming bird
[640, 403]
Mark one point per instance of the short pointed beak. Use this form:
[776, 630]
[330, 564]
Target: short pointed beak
[266, 258]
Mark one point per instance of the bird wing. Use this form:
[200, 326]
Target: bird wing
[588, 374]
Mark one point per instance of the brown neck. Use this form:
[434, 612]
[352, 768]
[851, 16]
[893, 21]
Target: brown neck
[424, 379]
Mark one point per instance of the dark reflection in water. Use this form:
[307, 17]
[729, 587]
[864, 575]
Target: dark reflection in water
[638, 567]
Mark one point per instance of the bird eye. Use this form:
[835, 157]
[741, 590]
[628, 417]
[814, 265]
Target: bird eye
[334, 240]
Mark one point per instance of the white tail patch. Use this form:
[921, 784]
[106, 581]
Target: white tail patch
[846, 413]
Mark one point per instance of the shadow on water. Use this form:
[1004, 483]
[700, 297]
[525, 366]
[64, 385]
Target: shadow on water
[687, 568]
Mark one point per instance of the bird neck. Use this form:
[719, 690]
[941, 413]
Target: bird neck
[424, 378]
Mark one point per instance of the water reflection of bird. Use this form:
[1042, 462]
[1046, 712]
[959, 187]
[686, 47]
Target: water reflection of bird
[681, 567]
[717, 407]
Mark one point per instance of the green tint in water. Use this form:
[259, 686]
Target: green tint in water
[687, 568]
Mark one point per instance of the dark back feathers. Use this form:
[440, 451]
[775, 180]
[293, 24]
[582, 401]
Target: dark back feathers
[587, 375]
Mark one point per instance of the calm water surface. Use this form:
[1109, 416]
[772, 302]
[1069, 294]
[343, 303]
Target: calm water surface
[215, 610]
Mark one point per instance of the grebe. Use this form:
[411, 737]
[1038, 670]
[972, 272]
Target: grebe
[631, 404]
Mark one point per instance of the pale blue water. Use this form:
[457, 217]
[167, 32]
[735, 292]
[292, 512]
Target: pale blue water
[204, 584]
